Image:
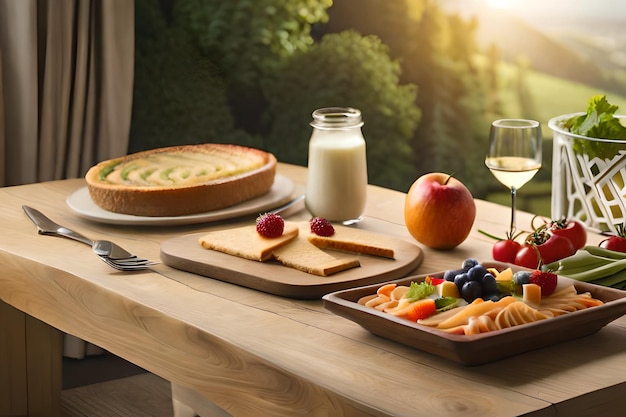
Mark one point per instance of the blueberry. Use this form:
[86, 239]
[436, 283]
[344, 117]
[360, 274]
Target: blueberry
[476, 273]
[451, 273]
[521, 277]
[468, 263]
[489, 284]
[471, 290]
[491, 297]
[460, 280]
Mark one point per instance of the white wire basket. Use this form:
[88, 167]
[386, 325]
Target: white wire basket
[588, 178]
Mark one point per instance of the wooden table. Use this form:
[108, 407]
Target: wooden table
[257, 354]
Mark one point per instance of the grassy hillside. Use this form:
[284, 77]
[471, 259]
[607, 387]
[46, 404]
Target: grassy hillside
[563, 54]
[553, 96]
[516, 39]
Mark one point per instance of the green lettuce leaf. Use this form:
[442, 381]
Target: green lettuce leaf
[599, 122]
[419, 291]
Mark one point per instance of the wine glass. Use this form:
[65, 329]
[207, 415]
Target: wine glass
[514, 155]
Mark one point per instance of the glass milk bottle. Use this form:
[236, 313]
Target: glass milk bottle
[337, 168]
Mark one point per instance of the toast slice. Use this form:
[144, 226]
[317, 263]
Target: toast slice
[303, 256]
[348, 239]
[245, 242]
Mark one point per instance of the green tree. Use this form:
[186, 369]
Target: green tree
[179, 97]
[523, 91]
[494, 102]
[247, 40]
[348, 70]
[451, 96]
[391, 21]
[437, 53]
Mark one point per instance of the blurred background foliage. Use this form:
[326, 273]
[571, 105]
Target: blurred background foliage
[252, 72]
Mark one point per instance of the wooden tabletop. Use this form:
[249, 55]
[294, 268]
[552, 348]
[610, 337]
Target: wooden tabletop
[254, 353]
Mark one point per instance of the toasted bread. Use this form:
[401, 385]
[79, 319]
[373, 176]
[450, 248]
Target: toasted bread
[300, 249]
[348, 239]
[245, 242]
[303, 256]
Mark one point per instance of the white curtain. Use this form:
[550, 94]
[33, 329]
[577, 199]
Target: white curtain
[66, 83]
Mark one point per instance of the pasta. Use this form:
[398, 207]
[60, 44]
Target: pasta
[386, 297]
[484, 316]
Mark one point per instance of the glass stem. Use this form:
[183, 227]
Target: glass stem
[513, 192]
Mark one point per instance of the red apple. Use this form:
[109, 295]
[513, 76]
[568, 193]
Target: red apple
[439, 211]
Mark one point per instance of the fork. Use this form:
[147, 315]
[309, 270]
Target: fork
[128, 265]
[111, 253]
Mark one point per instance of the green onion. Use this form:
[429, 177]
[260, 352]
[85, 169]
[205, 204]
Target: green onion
[597, 250]
[595, 265]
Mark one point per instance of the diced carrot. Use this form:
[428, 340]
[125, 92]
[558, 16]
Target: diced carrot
[414, 310]
[386, 290]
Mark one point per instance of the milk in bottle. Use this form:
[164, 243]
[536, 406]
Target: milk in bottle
[337, 167]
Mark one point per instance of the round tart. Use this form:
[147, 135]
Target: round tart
[181, 180]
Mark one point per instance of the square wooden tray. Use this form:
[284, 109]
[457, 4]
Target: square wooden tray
[486, 347]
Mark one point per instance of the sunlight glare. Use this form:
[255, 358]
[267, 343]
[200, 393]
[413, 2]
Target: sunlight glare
[502, 4]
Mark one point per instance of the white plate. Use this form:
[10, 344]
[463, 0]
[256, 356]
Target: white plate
[281, 192]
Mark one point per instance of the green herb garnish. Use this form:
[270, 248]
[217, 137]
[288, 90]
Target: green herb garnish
[419, 291]
[599, 122]
[446, 303]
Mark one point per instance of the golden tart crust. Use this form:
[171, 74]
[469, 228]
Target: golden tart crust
[181, 180]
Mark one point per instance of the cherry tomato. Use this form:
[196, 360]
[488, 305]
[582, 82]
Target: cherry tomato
[505, 250]
[527, 257]
[616, 243]
[572, 230]
[554, 248]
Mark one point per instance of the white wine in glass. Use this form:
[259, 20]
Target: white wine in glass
[514, 155]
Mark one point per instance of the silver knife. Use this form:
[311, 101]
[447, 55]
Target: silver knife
[45, 226]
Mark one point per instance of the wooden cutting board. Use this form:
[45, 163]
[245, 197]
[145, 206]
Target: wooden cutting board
[185, 253]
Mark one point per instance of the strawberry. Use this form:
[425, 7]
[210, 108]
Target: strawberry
[270, 225]
[545, 280]
[321, 227]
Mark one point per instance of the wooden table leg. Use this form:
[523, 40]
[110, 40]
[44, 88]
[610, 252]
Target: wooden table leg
[30, 365]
